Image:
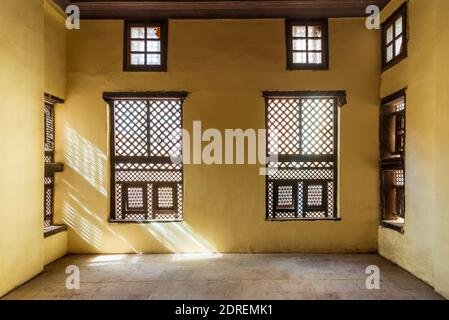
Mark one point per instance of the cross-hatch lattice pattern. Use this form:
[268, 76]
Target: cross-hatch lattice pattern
[283, 126]
[400, 180]
[135, 198]
[285, 196]
[131, 121]
[317, 127]
[303, 129]
[49, 138]
[49, 128]
[48, 206]
[165, 123]
[165, 198]
[146, 135]
[314, 196]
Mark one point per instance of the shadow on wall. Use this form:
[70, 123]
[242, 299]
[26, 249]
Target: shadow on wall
[84, 206]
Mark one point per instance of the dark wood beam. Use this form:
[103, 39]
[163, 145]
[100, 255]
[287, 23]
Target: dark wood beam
[52, 168]
[249, 9]
[62, 3]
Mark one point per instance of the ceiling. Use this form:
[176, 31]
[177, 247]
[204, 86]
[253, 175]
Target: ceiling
[189, 9]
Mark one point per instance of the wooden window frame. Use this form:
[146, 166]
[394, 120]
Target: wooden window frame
[50, 166]
[150, 202]
[127, 66]
[324, 65]
[339, 98]
[401, 11]
[390, 163]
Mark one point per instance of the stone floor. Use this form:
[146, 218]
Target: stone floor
[230, 276]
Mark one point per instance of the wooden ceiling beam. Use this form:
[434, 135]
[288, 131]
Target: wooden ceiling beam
[249, 9]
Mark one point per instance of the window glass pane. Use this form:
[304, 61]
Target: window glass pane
[138, 33]
[154, 33]
[137, 59]
[137, 46]
[314, 31]
[398, 46]
[390, 53]
[299, 44]
[154, 46]
[315, 45]
[299, 57]
[153, 59]
[389, 34]
[299, 31]
[307, 45]
[315, 57]
[398, 26]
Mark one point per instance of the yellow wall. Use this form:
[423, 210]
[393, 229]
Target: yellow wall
[21, 167]
[32, 62]
[55, 36]
[55, 40]
[441, 267]
[424, 248]
[225, 64]
[55, 247]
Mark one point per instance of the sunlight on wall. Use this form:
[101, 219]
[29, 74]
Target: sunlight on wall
[82, 226]
[94, 221]
[180, 238]
[90, 163]
[85, 158]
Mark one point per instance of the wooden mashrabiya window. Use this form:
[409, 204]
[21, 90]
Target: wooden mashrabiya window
[301, 184]
[392, 160]
[146, 184]
[51, 167]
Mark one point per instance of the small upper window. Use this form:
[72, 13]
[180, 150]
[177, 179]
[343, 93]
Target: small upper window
[145, 46]
[394, 38]
[307, 45]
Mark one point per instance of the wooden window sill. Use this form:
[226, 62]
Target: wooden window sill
[304, 219]
[50, 231]
[396, 226]
[143, 222]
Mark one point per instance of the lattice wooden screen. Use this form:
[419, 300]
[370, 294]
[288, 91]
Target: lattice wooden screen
[392, 157]
[49, 125]
[146, 184]
[302, 132]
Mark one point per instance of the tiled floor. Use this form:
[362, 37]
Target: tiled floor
[233, 276]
